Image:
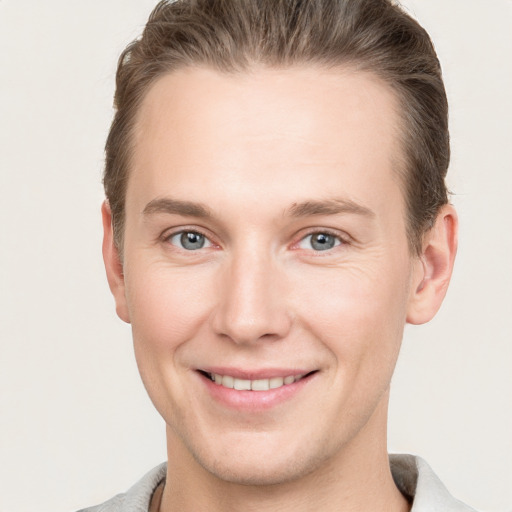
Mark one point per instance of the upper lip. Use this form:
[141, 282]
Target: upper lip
[264, 373]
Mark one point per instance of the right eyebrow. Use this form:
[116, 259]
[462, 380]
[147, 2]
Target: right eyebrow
[177, 207]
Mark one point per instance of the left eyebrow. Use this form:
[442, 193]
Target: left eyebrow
[328, 207]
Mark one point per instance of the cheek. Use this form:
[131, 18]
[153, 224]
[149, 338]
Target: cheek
[167, 306]
[167, 309]
[358, 312]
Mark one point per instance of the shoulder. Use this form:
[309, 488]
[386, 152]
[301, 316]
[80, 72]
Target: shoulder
[415, 478]
[136, 499]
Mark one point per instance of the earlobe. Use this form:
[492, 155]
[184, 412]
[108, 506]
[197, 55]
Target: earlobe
[433, 269]
[113, 265]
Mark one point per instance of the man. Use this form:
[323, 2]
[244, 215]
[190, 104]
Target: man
[276, 212]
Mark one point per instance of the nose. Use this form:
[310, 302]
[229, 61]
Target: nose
[252, 301]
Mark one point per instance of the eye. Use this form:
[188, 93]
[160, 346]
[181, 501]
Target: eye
[320, 241]
[189, 240]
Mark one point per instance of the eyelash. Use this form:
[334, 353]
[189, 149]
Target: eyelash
[168, 236]
[339, 239]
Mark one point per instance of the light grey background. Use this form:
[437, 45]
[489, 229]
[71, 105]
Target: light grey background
[76, 426]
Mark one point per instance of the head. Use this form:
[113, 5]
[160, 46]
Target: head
[275, 182]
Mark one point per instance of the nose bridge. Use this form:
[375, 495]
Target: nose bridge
[251, 302]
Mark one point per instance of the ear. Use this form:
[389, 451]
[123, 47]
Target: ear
[433, 269]
[113, 265]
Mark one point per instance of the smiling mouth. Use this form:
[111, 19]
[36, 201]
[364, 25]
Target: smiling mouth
[227, 381]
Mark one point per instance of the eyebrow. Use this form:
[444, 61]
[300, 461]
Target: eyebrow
[177, 207]
[328, 207]
[334, 206]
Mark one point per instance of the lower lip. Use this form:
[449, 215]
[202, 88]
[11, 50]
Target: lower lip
[254, 401]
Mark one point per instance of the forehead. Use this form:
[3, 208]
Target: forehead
[198, 128]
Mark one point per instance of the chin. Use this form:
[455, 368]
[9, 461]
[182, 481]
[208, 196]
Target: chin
[258, 474]
[261, 465]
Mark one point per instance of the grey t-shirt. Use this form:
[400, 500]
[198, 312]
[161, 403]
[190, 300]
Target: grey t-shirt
[412, 475]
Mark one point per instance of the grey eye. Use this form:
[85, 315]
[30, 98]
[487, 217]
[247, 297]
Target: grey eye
[319, 242]
[189, 240]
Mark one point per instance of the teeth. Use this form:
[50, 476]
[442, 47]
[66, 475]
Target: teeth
[227, 381]
[276, 382]
[255, 385]
[242, 385]
[260, 385]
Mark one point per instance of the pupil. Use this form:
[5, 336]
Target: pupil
[191, 241]
[322, 242]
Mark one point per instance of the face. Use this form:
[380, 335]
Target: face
[267, 275]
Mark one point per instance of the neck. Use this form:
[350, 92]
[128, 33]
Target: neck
[358, 478]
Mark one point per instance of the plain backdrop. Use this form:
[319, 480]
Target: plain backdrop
[76, 426]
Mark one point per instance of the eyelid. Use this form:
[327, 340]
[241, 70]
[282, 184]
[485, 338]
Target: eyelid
[343, 237]
[207, 242]
[169, 233]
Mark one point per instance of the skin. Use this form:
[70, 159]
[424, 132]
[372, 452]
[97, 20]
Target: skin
[248, 148]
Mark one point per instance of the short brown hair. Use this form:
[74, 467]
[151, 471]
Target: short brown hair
[231, 35]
